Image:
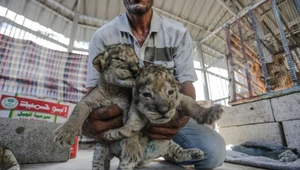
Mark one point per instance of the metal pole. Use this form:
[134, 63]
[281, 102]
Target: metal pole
[297, 2]
[296, 52]
[203, 72]
[73, 32]
[232, 92]
[227, 7]
[242, 13]
[285, 44]
[245, 58]
[5, 16]
[260, 50]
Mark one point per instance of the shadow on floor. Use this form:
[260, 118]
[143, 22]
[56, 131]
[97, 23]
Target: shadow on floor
[83, 161]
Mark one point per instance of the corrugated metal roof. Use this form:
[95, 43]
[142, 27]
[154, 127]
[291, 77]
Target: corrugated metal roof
[199, 16]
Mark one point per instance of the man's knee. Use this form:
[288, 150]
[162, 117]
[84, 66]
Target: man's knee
[214, 155]
[206, 139]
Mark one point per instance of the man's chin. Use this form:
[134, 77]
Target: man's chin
[138, 9]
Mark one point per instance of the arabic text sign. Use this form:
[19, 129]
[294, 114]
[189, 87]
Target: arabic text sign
[32, 116]
[20, 103]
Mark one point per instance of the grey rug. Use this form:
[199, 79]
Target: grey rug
[264, 156]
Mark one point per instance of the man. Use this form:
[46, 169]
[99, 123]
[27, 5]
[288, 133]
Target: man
[162, 41]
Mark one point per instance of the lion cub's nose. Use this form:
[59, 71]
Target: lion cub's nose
[133, 68]
[163, 109]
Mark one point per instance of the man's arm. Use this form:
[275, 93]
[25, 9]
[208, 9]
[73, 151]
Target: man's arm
[187, 88]
[96, 46]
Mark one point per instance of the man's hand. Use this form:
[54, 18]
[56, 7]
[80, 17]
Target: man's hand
[168, 130]
[101, 120]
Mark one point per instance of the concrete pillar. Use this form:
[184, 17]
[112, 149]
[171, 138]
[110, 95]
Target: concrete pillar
[73, 32]
[203, 72]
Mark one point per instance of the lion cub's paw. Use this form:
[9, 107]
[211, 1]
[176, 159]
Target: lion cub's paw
[116, 134]
[66, 133]
[189, 154]
[110, 135]
[196, 153]
[213, 114]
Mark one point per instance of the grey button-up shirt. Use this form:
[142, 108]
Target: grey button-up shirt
[168, 44]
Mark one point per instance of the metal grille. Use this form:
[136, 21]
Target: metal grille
[263, 51]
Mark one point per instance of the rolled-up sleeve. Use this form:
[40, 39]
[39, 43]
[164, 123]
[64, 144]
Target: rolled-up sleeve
[184, 60]
[96, 46]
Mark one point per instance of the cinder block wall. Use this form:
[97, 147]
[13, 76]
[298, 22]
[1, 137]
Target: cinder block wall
[32, 141]
[270, 121]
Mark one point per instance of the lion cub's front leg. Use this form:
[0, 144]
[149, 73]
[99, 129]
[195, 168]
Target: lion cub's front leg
[132, 126]
[66, 133]
[200, 114]
[132, 151]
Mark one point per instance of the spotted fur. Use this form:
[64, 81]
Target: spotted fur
[156, 99]
[117, 66]
[8, 160]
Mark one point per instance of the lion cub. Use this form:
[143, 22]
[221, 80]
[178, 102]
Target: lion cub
[156, 99]
[117, 66]
[7, 159]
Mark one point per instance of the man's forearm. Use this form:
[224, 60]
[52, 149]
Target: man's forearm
[187, 88]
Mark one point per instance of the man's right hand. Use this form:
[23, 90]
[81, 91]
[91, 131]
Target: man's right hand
[101, 120]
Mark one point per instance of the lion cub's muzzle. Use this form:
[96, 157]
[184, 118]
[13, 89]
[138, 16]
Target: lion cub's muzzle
[161, 114]
[134, 69]
[163, 109]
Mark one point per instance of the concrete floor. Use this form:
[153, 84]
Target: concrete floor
[84, 157]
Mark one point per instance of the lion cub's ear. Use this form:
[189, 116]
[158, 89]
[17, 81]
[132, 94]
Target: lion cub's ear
[99, 61]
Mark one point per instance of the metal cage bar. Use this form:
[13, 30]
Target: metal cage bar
[230, 66]
[260, 50]
[285, 43]
[297, 2]
[245, 58]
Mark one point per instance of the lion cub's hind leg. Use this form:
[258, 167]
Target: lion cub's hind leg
[101, 157]
[8, 160]
[178, 154]
[131, 154]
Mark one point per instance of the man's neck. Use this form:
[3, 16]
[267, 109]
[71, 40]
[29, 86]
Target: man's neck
[140, 25]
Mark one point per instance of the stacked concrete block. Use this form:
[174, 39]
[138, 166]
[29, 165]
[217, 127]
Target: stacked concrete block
[286, 107]
[268, 133]
[292, 133]
[32, 141]
[249, 113]
[262, 122]
[250, 122]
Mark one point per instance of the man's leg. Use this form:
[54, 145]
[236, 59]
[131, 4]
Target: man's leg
[205, 138]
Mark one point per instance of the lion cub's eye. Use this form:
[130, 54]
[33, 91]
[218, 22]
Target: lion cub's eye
[146, 94]
[120, 59]
[170, 92]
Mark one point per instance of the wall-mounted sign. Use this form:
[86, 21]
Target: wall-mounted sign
[30, 108]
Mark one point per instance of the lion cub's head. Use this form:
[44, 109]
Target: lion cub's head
[156, 94]
[118, 65]
[278, 74]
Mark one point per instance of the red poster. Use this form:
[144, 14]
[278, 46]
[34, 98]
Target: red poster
[20, 103]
